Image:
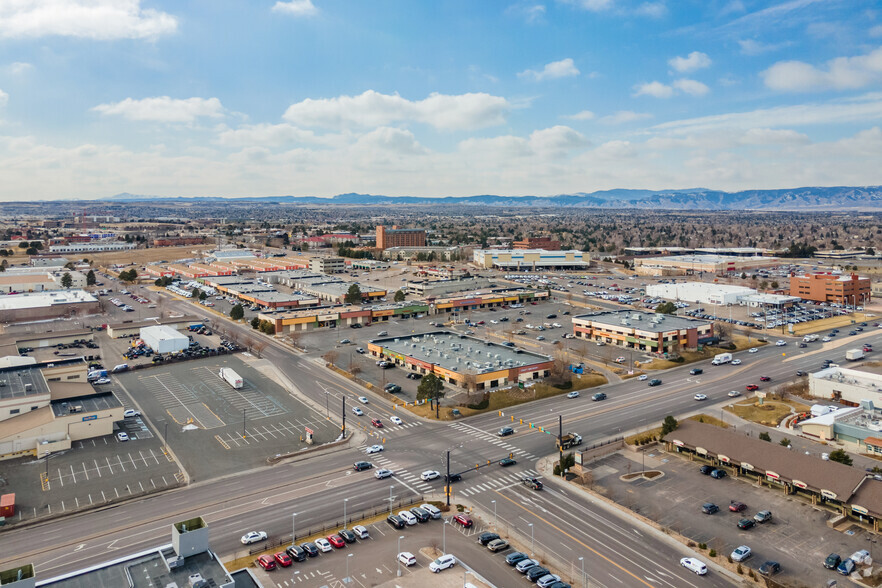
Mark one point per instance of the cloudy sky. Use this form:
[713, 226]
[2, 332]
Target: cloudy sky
[321, 97]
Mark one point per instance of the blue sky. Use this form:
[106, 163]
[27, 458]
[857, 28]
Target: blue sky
[321, 97]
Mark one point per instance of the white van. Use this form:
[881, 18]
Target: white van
[361, 532]
[433, 512]
[694, 565]
[407, 517]
[442, 563]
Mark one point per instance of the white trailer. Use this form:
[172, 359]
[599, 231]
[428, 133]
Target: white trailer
[854, 354]
[721, 358]
[231, 377]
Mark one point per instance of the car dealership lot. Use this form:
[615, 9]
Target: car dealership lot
[797, 535]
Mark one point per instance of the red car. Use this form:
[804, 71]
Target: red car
[266, 562]
[752, 387]
[765, 379]
[737, 506]
[336, 541]
[377, 423]
[283, 559]
[479, 323]
[464, 520]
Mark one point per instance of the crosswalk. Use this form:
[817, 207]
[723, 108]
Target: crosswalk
[491, 438]
[499, 482]
[402, 473]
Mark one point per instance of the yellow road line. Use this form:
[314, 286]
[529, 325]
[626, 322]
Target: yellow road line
[591, 549]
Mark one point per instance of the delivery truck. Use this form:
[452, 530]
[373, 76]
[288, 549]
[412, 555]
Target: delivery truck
[96, 375]
[231, 377]
[854, 354]
[569, 440]
[722, 358]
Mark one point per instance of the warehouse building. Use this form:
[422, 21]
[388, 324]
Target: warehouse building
[826, 287]
[700, 292]
[46, 305]
[656, 333]
[848, 386]
[92, 247]
[530, 259]
[369, 264]
[435, 288]
[462, 361]
[429, 253]
[692, 264]
[164, 339]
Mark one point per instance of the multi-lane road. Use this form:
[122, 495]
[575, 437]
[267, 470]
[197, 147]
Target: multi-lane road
[616, 551]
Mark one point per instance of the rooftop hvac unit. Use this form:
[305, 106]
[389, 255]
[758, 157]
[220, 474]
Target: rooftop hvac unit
[867, 405]
[636, 316]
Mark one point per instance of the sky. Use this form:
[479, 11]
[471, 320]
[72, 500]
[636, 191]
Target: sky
[240, 98]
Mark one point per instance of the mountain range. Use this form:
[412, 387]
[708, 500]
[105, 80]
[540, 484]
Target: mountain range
[810, 198]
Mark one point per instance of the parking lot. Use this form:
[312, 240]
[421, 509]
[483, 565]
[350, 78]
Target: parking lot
[373, 561]
[797, 536]
[201, 415]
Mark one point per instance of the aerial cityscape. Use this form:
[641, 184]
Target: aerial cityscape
[317, 293]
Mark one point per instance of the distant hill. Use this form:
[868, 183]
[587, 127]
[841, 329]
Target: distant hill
[835, 198]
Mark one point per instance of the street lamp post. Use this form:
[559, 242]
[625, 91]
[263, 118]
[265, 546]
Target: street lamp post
[532, 542]
[346, 580]
[495, 519]
[293, 527]
[582, 559]
[400, 537]
[444, 537]
[327, 404]
[345, 500]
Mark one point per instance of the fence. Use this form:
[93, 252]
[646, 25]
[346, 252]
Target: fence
[328, 527]
[599, 449]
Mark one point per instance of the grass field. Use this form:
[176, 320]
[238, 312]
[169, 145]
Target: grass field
[142, 256]
[741, 343]
[836, 322]
[652, 433]
[771, 412]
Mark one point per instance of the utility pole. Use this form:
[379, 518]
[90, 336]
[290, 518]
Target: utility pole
[448, 477]
[343, 429]
[560, 438]
[243, 424]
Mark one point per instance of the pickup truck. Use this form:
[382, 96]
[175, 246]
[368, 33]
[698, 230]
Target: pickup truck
[532, 483]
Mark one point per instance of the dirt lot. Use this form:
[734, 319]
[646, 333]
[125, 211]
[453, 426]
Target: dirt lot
[142, 256]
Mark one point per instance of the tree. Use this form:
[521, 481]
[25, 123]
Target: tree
[785, 442]
[268, 327]
[202, 295]
[763, 436]
[91, 280]
[763, 285]
[431, 388]
[839, 455]
[399, 296]
[255, 323]
[774, 284]
[353, 295]
[237, 312]
[195, 293]
[669, 425]
[128, 275]
[666, 308]
[66, 280]
[32, 251]
[567, 460]
[870, 251]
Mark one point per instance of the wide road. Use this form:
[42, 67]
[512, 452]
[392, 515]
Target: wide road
[564, 525]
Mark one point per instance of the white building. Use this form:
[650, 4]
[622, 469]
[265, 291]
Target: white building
[835, 383]
[700, 292]
[164, 339]
[530, 259]
[327, 265]
[92, 247]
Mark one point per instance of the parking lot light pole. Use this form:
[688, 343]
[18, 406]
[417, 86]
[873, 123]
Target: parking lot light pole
[293, 527]
[582, 559]
[346, 580]
[532, 543]
[400, 537]
[444, 537]
[345, 500]
[495, 519]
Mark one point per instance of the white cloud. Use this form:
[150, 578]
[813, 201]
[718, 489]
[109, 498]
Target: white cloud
[754, 47]
[18, 68]
[4, 98]
[556, 140]
[592, 5]
[624, 116]
[842, 73]
[372, 109]
[858, 110]
[876, 31]
[652, 9]
[164, 109]
[267, 135]
[691, 87]
[391, 141]
[92, 19]
[583, 115]
[296, 7]
[694, 61]
[556, 69]
[654, 89]
[531, 12]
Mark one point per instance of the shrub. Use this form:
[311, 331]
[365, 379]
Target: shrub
[557, 469]
[485, 402]
[739, 569]
[712, 553]
[702, 545]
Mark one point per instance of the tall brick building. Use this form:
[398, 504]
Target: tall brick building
[546, 243]
[831, 288]
[398, 237]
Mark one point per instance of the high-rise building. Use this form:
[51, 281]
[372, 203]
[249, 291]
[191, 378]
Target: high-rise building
[398, 237]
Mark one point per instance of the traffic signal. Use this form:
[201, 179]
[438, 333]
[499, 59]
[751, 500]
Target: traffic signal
[511, 454]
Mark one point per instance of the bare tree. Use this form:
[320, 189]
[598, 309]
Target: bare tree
[259, 346]
[330, 357]
[248, 342]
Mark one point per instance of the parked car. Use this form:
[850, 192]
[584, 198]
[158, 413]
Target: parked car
[296, 552]
[266, 562]
[832, 561]
[709, 508]
[525, 564]
[283, 559]
[485, 538]
[337, 541]
[396, 521]
[718, 474]
[535, 572]
[310, 549]
[736, 506]
[348, 536]
[770, 568]
[407, 558]
[122, 436]
[706, 469]
[515, 558]
[763, 516]
[324, 545]
[845, 567]
[442, 563]
[741, 553]
[745, 524]
[463, 519]
[497, 545]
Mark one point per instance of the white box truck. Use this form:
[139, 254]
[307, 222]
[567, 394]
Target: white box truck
[231, 377]
[809, 338]
[722, 358]
[854, 354]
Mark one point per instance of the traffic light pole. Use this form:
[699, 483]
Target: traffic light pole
[343, 429]
[448, 478]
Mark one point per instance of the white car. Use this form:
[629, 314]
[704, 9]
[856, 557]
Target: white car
[363, 399]
[700, 396]
[374, 449]
[383, 473]
[122, 436]
[736, 362]
[429, 475]
[102, 381]
[407, 558]
[753, 350]
[780, 343]
[395, 420]
[442, 563]
[826, 339]
[573, 394]
[642, 377]
[131, 413]
[357, 411]
[694, 565]
[741, 553]
[324, 545]
[734, 393]
[253, 537]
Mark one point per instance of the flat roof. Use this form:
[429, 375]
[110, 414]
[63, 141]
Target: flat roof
[42, 299]
[543, 261]
[89, 403]
[282, 297]
[643, 321]
[152, 322]
[708, 258]
[460, 353]
[21, 382]
[145, 570]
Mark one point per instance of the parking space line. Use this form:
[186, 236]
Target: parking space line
[97, 469]
[119, 459]
[85, 472]
[108, 464]
[132, 459]
[222, 442]
[60, 481]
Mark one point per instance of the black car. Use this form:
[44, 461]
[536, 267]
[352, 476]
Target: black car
[362, 465]
[800, 373]
[536, 572]
[655, 382]
[507, 461]
[745, 524]
[696, 371]
[770, 568]
[532, 483]
[709, 508]
[453, 478]
[718, 474]
[414, 376]
[551, 316]
[706, 469]
[348, 536]
[598, 396]
[485, 538]
[421, 515]
[832, 561]
[396, 521]
[310, 549]
[296, 552]
[505, 431]
[513, 559]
